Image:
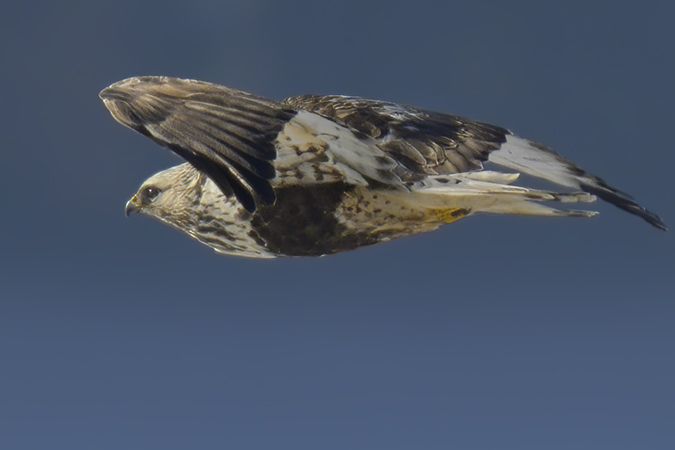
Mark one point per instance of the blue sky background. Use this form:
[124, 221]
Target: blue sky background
[492, 333]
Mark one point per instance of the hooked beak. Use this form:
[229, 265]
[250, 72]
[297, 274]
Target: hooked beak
[133, 206]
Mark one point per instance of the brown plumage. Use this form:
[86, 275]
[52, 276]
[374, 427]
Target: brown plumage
[314, 174]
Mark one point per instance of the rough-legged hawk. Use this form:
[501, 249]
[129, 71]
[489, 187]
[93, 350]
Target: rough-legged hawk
[314, 175]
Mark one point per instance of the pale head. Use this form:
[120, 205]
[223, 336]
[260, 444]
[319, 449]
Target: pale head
[170, 195]
[185, 198]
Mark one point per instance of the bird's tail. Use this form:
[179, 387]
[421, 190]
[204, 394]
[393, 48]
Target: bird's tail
[452, 197]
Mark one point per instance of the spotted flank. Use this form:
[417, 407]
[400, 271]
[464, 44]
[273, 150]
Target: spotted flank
[315, 175]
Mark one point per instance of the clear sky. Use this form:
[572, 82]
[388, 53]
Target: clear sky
[491, 333]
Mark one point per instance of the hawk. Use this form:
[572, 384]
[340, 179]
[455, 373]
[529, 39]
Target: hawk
[315, 175]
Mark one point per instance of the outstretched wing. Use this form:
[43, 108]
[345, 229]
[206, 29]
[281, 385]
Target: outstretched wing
[226, 133]
[422, 142]
[427, 143]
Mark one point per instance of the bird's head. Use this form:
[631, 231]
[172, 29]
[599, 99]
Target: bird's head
[170, 195]
[188, 200]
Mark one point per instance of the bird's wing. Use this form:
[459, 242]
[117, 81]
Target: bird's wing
[226, 133]
[422, 142]
[233, 137]
[426, 144]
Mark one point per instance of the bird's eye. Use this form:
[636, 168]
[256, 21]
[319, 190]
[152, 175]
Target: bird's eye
[150, 193]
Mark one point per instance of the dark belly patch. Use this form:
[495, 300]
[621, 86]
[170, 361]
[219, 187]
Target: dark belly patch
[302, 222]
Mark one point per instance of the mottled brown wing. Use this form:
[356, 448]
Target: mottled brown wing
[226, 133]
[423, 142]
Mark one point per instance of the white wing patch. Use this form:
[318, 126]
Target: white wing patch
[536, 160]
[312, 149]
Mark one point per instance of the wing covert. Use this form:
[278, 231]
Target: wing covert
[423, 142]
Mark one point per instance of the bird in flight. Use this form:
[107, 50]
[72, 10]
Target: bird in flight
[315, 175]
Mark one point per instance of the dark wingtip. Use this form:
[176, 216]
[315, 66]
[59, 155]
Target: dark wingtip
[264, 193]
[616, 198]
[232, 185]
